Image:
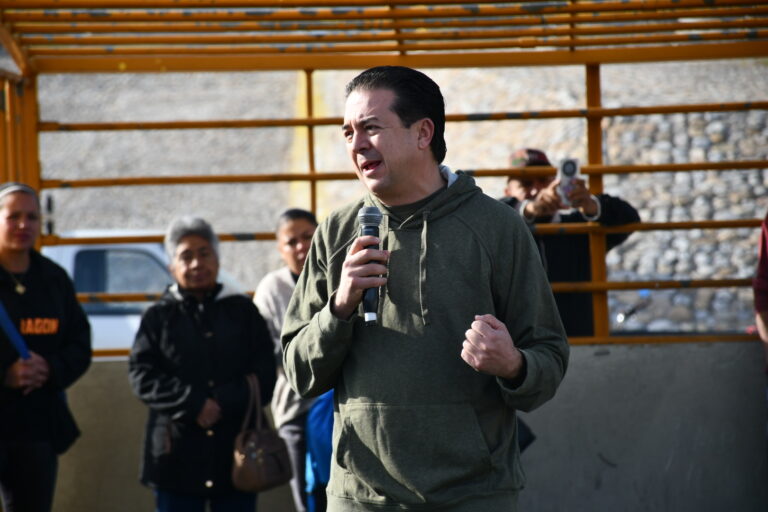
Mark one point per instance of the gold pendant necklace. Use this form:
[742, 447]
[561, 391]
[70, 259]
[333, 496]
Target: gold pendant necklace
[20, 288]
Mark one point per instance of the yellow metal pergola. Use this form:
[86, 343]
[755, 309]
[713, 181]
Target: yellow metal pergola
[135, 36]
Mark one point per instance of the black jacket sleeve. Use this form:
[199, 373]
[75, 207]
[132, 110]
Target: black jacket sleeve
[615, 212]
[151, 378]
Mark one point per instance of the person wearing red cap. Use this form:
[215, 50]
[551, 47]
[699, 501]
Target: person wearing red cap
[565, 257]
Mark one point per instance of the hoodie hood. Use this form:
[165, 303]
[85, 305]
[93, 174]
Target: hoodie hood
[460, 188]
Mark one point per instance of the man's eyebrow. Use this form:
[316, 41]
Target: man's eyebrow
[361, 121]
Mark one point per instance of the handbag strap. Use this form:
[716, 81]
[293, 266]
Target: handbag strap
[253, 404]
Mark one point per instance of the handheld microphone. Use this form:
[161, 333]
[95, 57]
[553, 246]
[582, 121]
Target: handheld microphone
[369, 218]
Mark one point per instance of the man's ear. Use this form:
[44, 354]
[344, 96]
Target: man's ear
[425, 130]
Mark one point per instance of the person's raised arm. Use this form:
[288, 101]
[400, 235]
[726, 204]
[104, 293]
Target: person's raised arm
[321, 318]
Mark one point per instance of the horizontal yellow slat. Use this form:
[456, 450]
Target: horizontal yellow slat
[181, 4]
[538, 33]
[343, 48]
[551, 229]
[85, 28]
[618, 339]
[342, 175]
[179, 63]
[380, 11]
[52, 126]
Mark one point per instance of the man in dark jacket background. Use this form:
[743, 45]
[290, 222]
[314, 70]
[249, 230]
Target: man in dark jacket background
[566, 257]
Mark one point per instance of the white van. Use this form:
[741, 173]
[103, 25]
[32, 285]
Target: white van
[116, 268]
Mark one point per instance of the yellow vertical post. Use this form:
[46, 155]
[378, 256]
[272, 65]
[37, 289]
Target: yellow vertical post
[29, 133]
[597, 243]
[311, 141]
[18, 134]
[3, 133]
[11, 133]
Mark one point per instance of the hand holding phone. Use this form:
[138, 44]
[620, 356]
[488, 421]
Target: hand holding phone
[567, 173]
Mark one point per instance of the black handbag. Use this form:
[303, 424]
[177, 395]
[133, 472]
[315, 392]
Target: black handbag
[261, 456]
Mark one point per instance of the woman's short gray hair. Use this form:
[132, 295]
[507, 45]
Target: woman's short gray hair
[185, 226]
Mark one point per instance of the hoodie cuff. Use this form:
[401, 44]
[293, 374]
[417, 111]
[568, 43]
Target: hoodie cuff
[521, 383]
[330, 324]
[517, 382]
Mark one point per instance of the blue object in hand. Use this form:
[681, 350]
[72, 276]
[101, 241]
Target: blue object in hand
[13, 334]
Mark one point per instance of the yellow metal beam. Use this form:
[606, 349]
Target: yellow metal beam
[597, 242]
[51, 126]
[53, 26]
[359, 36]
[16, 52]
[139, 239]
[11, 131]
[188, 180]
[321, 47]
[581, 228]
[602, 286]
[597, 112]
[376, 11]
[182, 4]
[29, 132]
[619, 339]
[342, 175]
[4, 169]
[178, 63]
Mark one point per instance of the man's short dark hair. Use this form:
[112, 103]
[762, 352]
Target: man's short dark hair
[416, 96]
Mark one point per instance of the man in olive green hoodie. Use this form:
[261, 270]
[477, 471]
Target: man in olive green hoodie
[468, 330]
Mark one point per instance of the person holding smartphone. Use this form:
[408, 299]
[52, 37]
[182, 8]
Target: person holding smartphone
[566, 257]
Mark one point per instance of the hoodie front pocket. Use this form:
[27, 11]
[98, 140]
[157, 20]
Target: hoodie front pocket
[412, 454]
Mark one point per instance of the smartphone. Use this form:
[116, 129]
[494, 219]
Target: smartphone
[567, 173]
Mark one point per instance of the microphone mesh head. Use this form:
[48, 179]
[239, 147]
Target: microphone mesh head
[369, 216]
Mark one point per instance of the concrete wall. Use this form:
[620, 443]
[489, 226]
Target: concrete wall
[653, 428]
[665, 427]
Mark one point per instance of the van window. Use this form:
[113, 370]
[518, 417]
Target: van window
[118, 271]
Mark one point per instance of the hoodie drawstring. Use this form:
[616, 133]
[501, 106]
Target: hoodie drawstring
[423, 270]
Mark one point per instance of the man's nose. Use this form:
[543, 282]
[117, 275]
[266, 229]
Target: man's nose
[360, 141]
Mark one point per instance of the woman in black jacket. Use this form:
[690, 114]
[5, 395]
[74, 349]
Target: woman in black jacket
[189, 363]
[55, 350]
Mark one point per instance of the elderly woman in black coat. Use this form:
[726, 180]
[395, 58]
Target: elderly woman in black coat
[189, 363]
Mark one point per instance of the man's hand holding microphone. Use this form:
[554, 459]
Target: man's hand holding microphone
[363, 271]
